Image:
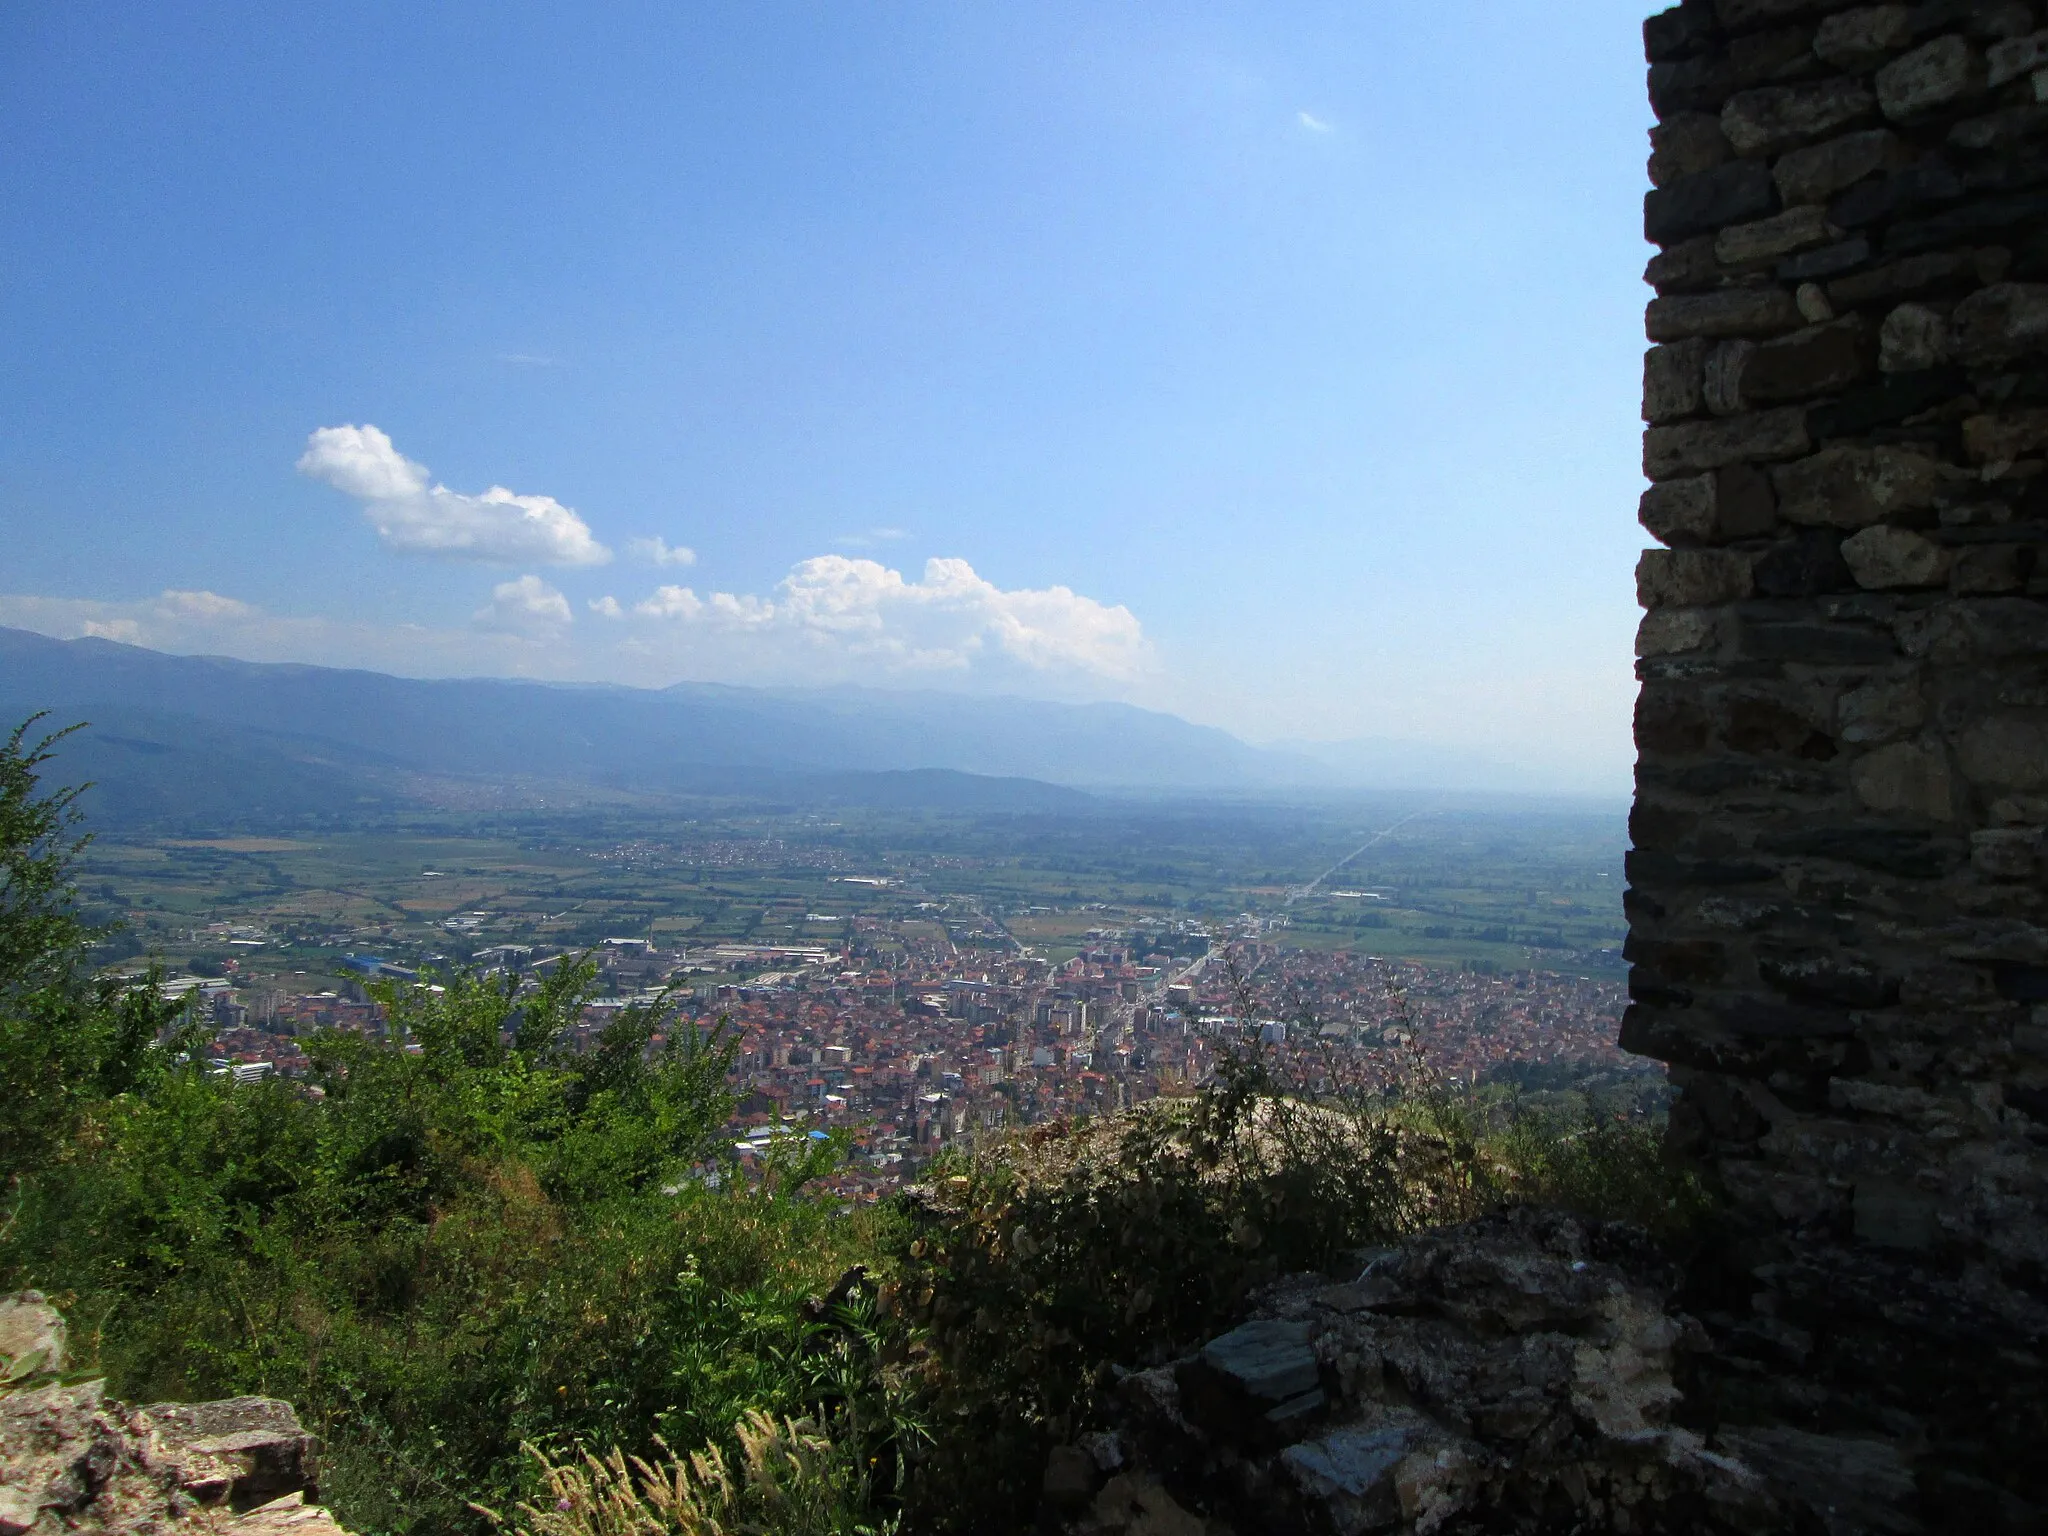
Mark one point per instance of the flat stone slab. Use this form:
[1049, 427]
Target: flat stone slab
[1270, 1360]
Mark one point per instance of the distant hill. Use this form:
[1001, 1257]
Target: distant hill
[210, 739]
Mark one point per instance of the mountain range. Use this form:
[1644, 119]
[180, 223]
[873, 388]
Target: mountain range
[211, 739]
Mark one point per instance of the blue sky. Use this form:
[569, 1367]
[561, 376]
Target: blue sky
[1274, 363]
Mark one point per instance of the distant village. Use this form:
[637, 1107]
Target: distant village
[912, 1037]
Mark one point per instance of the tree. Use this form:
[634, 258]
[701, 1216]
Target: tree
[67, 1039]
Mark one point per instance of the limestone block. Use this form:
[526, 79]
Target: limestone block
[2007, 752]
[1671, 380]
[1818, 172]
[1906, 778]
[2016, 56]
[1685, 144]
[1778, 117]
[1673, 631]
[32, 1336]
[1883, 557]
[1689, 447]
[1748, 312]
[1935, 75]
[1690, 578]
[1859, 40]
[1881, 709]
[1999, 323]
[1846, 487]
[1796, 229]
[1686, 267]
[1704, 201]
[1352, 1470]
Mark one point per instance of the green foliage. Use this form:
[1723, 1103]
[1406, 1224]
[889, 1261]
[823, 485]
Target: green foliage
[67, 1040]
[1033, 1269]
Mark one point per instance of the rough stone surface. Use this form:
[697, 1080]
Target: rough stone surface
[32, 1336]
[73, 1460]
[1838, 900]
[1524, 1373]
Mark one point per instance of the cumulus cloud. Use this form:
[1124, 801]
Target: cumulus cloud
[416, 516]
[658, 551]
[946, 622]
[830, 619]
[527, 607]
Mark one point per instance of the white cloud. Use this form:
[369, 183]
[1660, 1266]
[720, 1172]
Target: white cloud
[416, 517]
[950, 621]
[657, 551]
[831, 619]
[1313, 123]
[527, 607]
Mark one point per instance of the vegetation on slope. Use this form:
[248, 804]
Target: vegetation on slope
[480, 1264]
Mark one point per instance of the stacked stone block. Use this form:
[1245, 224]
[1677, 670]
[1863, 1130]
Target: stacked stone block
[1838, 895]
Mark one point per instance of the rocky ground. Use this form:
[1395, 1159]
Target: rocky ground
[1517, 1374]
[72, 1460]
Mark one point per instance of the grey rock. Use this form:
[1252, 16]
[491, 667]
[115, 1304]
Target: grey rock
[2000, 323]
[1672, 380]
[1749, 312]
[1819, 360]
[1270, 1361]
[1691, 578]
[1859, 40]
[2006, 751]
[1883, 557]
[1796, 229]
[1071, 1477]
[1850, 1485]
[2015, 57]
[1818, 172]
[1703, 202]
[1674, 631]
[33, 1338]
[1845, 487]
[1685, 268]
[1679, 512]
[1721, 379]
[1906, 778]
[1914, 336]
[1684, 145]
[1779, 117]
[1881, 709]
[1935, 75]
[1688, 447]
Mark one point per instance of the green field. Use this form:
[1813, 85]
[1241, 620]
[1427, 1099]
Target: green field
[1457, 885]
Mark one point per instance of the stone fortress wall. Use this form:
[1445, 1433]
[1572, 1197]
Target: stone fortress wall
[1838, 894]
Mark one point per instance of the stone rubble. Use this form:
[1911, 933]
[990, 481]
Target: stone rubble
[72, 1460]
[1516, 1374]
